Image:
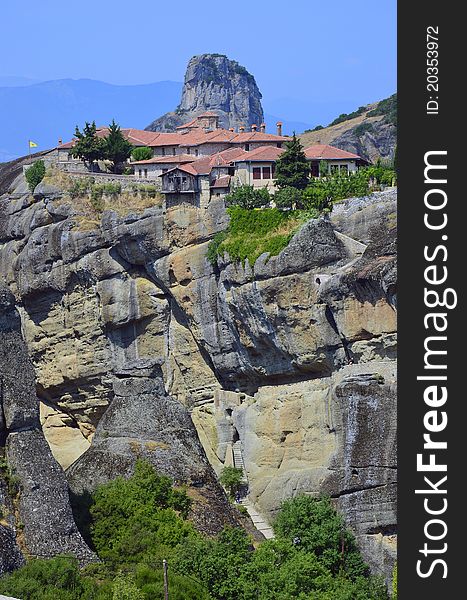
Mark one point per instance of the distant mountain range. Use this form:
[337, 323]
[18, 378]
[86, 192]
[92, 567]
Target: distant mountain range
[46, 111]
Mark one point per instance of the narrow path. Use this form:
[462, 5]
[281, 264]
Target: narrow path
[258, 521]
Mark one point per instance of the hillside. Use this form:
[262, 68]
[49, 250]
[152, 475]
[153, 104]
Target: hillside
[370, 132]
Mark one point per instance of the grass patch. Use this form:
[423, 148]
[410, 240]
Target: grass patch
[90, 198]
[253, 232]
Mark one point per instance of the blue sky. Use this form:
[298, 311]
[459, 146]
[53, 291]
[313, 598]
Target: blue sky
[319, 57]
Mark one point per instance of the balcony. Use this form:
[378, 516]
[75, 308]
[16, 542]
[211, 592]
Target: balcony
[179, 185]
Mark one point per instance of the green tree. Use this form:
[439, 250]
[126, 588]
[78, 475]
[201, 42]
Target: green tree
[323, 168]
[231, 478]
[141, 153]
[117, 148]
[40, 579]
[289, 198]
[137, 517]
[247, 196]
[314, 525]
[89, 147]
[35, 174]
[292, 167]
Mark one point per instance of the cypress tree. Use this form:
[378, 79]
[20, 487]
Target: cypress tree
[292, 167]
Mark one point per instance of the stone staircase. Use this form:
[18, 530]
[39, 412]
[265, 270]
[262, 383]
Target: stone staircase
[258, 521]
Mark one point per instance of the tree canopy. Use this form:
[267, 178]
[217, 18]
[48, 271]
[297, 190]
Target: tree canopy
[117, 148]
[88, 147]
[292, 167]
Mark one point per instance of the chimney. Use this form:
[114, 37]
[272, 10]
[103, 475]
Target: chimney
[279, 127]
[241, 129]
[254, 127]
[262, 127]
[60, 141]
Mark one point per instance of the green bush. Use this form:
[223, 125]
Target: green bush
[124, 588]
[316, 527]
[141, 153]
[132, 518]
[247, 196]
[57, 578]
[35, 174]
[231, 478]
[288, 198]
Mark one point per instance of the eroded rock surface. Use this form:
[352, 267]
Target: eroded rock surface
[36, 514]
[215, 83]
[132, 331]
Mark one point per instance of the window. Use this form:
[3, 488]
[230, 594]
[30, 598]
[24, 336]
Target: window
[145, 173]
[273, 170]
[256, 172]
[173, 151]
[247, 147]
[163, 151]
[344, 168]
[279, 144]
[140, 173]
[196, 152]
[334, 169]
[266, 172]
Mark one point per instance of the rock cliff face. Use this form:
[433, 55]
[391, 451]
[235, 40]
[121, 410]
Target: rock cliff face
[372, 134]
[36, 517]
[136, 337]
[215, 83]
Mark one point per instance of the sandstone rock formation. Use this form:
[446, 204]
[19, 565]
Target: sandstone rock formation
[215, 83]
[132, 331]
[36, 514]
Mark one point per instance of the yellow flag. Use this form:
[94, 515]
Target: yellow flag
[32, 144]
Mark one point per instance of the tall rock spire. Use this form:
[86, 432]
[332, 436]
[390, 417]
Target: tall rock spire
[215, 83]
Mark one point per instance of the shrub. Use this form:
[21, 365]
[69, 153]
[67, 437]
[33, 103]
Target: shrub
[314, 525]
[141, 153]
[124, 588]
[133, 518]
[58, 578]
[289, 198]
[246, 196]
[231, 478]
[35, 174]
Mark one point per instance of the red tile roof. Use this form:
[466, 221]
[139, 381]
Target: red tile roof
[221, 182]
[177, 159]
[194, 137]
[325, 152]
[263, 153]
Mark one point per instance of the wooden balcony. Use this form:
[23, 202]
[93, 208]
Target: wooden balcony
[179, 185]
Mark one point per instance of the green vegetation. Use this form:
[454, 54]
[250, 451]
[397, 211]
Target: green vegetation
[388, 108]
[135, 523]
[117, 148]
[347, 116]
[88, 147]
[253, 232]
[35, 174]
[246, 196]
[138, 518]
[231, 478]
[361, 129]
[141, 153]
[289, 197]
[292, 168]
